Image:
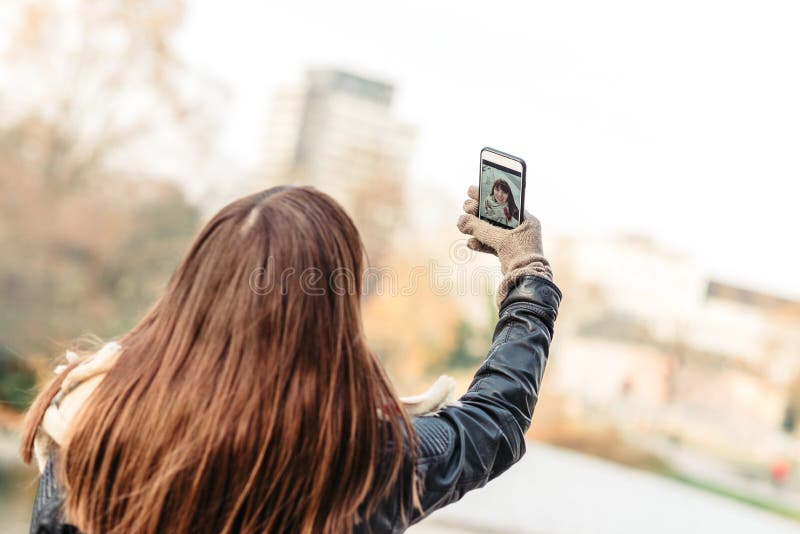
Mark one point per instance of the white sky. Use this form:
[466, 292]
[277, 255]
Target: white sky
[678, 120]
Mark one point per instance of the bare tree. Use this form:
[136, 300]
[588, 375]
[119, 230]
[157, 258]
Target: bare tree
[93, 101]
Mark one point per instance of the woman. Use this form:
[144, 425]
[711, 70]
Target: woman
[247, 399]
[499, 204]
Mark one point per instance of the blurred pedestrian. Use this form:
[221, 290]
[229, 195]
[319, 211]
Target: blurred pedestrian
[779, 471]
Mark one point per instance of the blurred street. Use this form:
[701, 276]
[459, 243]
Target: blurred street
[551, 490]
[556, 491]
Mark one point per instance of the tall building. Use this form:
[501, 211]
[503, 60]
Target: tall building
[337, 132]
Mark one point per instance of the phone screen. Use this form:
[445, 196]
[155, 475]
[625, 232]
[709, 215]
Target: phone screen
[500, 194]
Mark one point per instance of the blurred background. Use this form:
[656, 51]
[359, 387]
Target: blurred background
[661, 142]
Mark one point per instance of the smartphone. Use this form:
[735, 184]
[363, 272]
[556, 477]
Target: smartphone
[501, 188]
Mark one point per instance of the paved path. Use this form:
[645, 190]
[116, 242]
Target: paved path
[556, 491]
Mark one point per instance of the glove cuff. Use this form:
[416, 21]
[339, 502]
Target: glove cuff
[538, 267]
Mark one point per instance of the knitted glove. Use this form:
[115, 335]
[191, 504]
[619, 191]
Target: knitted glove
[519, 250]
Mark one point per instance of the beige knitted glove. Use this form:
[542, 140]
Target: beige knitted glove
[519, 250]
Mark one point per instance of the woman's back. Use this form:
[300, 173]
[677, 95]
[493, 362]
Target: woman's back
[247, 399]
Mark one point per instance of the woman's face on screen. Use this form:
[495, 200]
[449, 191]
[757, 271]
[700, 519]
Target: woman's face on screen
[500, 195]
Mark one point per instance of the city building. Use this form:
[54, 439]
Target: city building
[337, 132]
[661, 346]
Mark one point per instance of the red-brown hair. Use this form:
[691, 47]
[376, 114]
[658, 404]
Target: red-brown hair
[236, 405]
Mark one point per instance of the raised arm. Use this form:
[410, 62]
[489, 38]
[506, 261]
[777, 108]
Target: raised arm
[463, 447]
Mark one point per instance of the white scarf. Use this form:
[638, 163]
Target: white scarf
[496, 210]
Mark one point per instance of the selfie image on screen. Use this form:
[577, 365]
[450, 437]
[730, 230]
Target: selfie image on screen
[500, 194]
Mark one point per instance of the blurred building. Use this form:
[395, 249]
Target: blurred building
[659, 346]
[337, 132]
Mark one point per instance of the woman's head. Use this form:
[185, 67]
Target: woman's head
[246, 399]
[502, 193]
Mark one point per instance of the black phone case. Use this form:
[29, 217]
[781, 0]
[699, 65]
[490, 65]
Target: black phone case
[522, 189]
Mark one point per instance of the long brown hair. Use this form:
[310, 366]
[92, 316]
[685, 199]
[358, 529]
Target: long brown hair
[247, 399]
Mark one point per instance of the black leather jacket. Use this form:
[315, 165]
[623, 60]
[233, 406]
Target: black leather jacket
[461, 447]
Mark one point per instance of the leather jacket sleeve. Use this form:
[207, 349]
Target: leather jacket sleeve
[464, 447]
[47, 506]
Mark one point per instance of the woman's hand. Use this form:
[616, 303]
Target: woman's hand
[519, 250]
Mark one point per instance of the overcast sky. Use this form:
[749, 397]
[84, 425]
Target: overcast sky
[679, 120]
